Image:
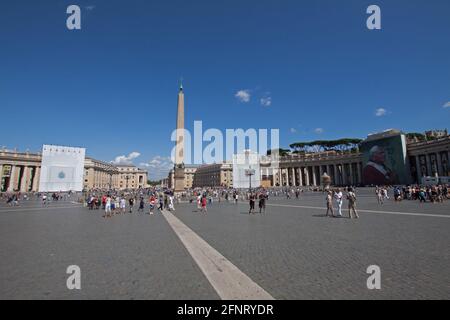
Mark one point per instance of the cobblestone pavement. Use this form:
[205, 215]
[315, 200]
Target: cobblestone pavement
[292, 251]
[126, 257]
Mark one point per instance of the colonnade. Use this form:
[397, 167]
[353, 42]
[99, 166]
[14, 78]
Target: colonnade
[311, 175]
[16, 177]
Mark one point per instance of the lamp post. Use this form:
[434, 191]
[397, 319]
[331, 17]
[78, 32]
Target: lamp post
[249, 173]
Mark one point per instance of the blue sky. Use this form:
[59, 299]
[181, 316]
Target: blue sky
[112, 86]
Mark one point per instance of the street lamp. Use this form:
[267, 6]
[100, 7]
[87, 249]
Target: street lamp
[249, 173]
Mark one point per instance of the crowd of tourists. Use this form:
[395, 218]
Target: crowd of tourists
[15, 198]
[151, 200]
[114, 202]
[435, 193]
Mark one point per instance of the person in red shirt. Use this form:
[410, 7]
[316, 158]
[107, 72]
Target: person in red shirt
[103, 202]
[152, 204]
[204, 204]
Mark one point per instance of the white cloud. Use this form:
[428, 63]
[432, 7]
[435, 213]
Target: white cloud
[243, 95]
[380, 112]
[293, 130]
[447, 105]
[266, 101]
[158, 167]
[318, 130]
[126, 159]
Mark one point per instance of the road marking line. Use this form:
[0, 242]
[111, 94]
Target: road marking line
[229, 282]
[368, 211]
[38, 208]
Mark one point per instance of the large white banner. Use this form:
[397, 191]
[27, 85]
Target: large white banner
[246, 167]
[62, 169]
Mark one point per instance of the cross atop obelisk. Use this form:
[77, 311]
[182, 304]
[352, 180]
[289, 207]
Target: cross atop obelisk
[179, 147]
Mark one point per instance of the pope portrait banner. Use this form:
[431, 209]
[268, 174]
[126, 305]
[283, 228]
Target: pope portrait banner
[385, 161]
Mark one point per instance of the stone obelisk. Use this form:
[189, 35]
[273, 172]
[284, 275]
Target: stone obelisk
[179, 146]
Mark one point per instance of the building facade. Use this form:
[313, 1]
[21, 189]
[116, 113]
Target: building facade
[99, 174]
[429, 158]
[214, 175]
[20, 172]
[131, 177]
[425, 159]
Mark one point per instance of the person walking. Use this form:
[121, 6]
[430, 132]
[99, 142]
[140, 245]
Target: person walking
[262, 203]
[122, 204]
[252, 203]
[166, 202]
[199, 202]
[338, 197]
[171, 204]
[104, 201]
[141, 205]
[351, 197]
[379, 194]
[152, 204]
[204, 204]
[107, 208]
[329, 201]
[131, 204]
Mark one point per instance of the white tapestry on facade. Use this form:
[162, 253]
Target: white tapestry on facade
[246, 170]
[62, 169]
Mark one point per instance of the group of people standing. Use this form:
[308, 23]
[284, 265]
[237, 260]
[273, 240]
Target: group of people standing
[338, 196]
[432, 193]
[114, 204]
[262, 197]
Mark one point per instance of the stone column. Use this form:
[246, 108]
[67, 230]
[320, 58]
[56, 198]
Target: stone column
[37, 176]
[344, 175]
[352, 182]
[307, 176]
[418, 170]
[439, 164]
[300, 176]
[24, 180]
[335, 175]
[314, 175]
[294, 176]
[429, 170]
[359, 172]
[321, 171]
[12, 178]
